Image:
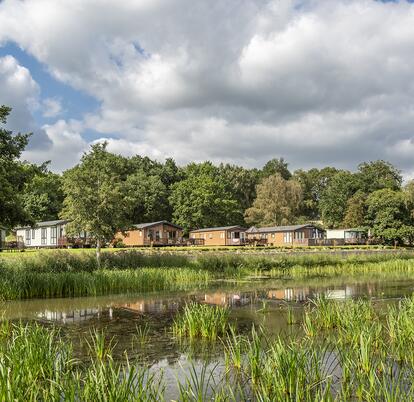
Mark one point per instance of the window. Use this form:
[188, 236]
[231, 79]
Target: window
[33, 233]
[53, 235]
[140, 233]
[221, 235]
[287, 237]
[299, 235]
[28, 236]
[236, 235]
[242, 235]
[210, 235]
[172, 234]
[43, 239]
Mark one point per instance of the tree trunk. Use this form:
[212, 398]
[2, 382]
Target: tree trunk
[98, 252]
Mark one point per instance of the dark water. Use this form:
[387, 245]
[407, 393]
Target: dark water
[262, 303]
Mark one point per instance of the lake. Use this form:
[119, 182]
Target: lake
[140, 324]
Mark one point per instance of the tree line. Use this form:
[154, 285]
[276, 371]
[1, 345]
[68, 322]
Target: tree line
[106, 192]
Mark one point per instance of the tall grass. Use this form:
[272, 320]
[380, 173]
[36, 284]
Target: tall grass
[67, 274]
[357, 352]
[201, 321]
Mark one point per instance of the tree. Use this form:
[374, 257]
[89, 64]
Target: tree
[409, 191]
[276, 166]
[388, 215]
[334, 199]
[241, 183]
[201, 199]
[12, 174]
[97, 196]
[376, 175]
[149, 198]
[277, 202]
[42, 195]
[355, 211]
[313, 183]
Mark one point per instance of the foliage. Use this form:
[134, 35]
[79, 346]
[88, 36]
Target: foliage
[313, 182]
[43, 193]
[277, 202]
[355, 211]
[389, 216]
[12, 174]
[96, 195]
[276, 166]
[333, 202]
[201, 199]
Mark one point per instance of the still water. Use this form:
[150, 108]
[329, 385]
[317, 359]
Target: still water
[262, 303]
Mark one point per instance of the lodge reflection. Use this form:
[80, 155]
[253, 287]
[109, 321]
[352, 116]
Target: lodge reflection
[159, 306]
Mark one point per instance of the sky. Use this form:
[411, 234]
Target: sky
[319, 83]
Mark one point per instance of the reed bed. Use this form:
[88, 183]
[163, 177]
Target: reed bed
[67, 274]
[352, 351]
[201, 321]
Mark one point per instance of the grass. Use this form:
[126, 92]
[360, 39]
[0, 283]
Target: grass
[356, 351]
[201, 321]
[67, 274]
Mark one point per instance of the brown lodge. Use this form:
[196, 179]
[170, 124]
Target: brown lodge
[164, 233]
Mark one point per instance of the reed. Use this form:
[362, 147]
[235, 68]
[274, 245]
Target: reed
[201, 321]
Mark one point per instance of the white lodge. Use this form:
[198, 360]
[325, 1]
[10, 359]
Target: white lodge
[43, 234]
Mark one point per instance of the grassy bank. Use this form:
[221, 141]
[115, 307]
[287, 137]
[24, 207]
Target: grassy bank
[66, 274]
[349, 351]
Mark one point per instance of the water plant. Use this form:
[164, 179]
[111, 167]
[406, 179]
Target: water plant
[201, 321]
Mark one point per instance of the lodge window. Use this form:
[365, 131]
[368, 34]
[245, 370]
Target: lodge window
[43, 236]
[299, 235]
[27, 236]
[33, 233]
[221, 235]
[53, 235]
[236, 235]
[172, 234]
[287, 237]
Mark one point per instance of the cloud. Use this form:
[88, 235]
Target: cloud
[21, 93]
[51, 107]
[319, 83]
[67, 145]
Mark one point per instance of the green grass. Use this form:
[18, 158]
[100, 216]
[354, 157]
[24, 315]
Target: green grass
[67, 274]
[358, 351]
[201, 321]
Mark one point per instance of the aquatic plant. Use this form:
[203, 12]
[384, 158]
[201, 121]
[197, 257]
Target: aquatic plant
[201, 321]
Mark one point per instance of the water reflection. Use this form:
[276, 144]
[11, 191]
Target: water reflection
[70, 311]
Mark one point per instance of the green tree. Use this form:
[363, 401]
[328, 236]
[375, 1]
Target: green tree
[149, 198]
[241, 183]
[201, 199]
[388, 215]
[276, 166]
[409, 191]
[277, 203]
[43, 193]
[313, 183]
[355, 211]
[376, 175]
[334, 199]
[13, 175]
[96, 196]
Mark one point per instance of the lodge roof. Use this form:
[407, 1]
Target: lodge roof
[217, 228]
[44, 223]
[150, 224]
[275, 229]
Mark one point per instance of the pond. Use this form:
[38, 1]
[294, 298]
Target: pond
[140, 324]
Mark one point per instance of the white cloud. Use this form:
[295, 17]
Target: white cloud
[51, 107]
[67, 145]
[316, 82]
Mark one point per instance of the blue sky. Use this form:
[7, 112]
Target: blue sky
[318, 83]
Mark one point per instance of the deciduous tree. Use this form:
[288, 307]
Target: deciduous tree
[277, 202]
[97, 196]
